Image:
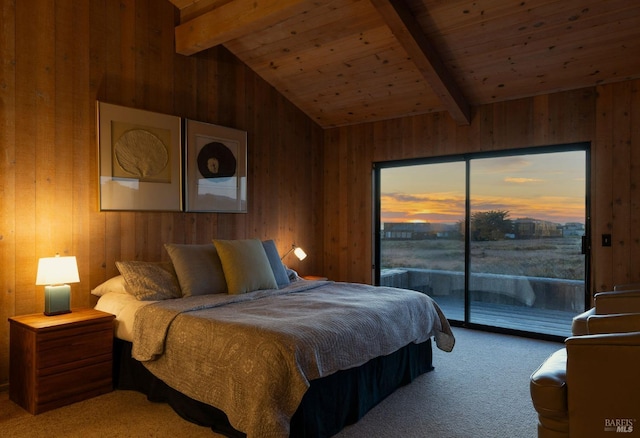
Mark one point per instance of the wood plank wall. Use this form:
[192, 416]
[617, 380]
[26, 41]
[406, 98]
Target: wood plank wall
[57, 58]
[607, 116]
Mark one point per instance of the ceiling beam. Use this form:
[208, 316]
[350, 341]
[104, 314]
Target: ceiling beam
[233, 20]
[192, 8]
[407, 30]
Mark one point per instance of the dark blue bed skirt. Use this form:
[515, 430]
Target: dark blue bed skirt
[330, 403]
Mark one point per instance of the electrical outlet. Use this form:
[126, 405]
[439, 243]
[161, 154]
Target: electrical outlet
[606, 240]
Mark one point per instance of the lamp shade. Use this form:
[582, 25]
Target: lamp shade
[57, 270]
[299, 252]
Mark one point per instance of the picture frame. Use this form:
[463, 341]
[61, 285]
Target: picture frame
[215, 168]
[140, 159]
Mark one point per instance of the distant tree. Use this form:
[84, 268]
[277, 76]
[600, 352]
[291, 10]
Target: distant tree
[490, 225]
[462, 228]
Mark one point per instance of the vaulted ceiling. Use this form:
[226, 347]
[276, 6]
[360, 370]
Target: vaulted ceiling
[344, 62]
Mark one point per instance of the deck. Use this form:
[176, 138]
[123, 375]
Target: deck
[511, 317]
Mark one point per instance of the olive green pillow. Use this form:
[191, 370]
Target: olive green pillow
[245, 265]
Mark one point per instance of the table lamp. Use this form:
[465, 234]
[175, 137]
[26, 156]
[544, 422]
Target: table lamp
[54, 273]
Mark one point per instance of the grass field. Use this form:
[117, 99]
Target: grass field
[547, 257]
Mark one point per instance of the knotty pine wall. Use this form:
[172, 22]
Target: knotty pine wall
[56, 59]
[607, 116]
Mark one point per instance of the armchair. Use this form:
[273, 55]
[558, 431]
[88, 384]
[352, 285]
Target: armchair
[591, 387]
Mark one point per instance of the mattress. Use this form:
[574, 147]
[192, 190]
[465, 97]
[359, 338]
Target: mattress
[124, 307]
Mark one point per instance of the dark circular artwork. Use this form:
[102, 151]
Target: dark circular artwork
[215, 160]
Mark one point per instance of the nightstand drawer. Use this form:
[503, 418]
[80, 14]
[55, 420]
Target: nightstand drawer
[64, 367]
[74, 382]
[58, 350]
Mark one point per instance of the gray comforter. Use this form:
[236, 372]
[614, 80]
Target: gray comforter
[253, 355]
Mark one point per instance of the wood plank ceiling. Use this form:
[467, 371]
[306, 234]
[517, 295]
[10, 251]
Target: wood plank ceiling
[345, 62]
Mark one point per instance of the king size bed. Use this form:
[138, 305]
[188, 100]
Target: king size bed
[266, 358]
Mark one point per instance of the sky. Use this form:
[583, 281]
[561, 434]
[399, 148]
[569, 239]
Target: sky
[541, 186]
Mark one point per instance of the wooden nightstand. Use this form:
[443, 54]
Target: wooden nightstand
[314, 278]
[58, 360]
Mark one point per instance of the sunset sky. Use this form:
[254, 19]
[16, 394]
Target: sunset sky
[540, 186]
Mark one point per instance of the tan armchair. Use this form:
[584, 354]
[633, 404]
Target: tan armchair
[591, 388]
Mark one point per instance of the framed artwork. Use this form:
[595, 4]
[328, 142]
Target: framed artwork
[216, 168]
[140, 159]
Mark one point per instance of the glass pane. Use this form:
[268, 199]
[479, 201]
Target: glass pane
[527, 221]
[422, 211]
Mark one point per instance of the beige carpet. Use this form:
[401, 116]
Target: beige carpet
[479, 390]
[116, 414]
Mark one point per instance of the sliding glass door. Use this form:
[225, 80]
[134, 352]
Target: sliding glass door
[496, 240]
[422, 247]
[526, 263]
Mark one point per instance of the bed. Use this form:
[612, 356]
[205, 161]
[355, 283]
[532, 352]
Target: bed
[251, 353]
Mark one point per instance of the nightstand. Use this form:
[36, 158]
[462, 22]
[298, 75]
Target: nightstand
[314, 278]
[59, 360]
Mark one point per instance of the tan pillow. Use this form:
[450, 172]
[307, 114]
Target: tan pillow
[246, 266]
[149, 281]
[198, 268]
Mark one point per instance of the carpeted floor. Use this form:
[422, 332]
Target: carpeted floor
[116, 414]
[479, 390]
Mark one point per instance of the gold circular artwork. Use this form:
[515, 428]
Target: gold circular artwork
[141, 154]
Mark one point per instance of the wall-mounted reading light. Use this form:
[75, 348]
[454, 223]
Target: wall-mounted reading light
[299, 252]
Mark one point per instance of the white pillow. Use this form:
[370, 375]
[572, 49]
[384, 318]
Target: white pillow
[115, 284]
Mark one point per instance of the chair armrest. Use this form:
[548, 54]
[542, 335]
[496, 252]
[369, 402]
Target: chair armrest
[607, 340]
[602, 382]
[617, 302]
[579, 323]
[616, 323]
[628, 286]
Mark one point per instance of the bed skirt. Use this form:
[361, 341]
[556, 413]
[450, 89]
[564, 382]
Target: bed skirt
[330, 403]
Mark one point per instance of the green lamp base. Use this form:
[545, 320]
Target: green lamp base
[57, 300]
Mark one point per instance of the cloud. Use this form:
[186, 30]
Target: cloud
[426, 207]
[449, 207]
[404, 197]
[502, 165]
[512, 179]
